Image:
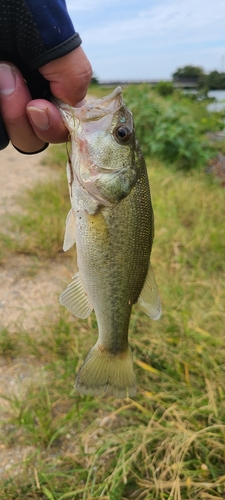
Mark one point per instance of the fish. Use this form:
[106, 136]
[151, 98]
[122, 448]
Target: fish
[111, 222]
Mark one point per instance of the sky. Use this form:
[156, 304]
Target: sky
[149, 39]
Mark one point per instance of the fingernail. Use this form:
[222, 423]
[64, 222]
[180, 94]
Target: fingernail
[7, 79]
[39, 117]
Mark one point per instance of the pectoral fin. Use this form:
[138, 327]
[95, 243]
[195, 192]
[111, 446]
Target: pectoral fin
[76, 299]
[149, 300]
[70, 232]
[85, 200]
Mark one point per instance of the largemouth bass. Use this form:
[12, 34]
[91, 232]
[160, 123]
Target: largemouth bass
[111, 222]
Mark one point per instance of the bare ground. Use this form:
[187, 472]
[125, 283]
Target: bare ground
[25, 298]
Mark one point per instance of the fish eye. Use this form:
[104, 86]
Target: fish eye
[123, 133]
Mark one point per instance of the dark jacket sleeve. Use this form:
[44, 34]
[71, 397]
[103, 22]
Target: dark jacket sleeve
[36, 31]
[33, 33]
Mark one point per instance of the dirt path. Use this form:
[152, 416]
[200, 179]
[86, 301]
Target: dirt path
[17, 172]
[25, 298]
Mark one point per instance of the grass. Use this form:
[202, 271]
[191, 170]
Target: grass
[167, 443]
[38, 229]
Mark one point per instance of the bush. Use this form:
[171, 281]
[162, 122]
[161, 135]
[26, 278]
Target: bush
[167, 128]
[164, 88]
[176, 139]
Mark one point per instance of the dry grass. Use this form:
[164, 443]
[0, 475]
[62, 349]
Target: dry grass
[168, 443]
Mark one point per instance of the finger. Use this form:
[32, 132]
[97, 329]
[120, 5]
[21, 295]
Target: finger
[46, 121]
[69, 76]
[14, 96]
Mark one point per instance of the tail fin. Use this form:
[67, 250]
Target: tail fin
[104, 372]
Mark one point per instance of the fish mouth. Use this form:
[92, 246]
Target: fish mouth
[96, 172]
[93, 109]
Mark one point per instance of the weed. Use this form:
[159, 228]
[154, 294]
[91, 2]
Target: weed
[169, 442]
[7, 246]
[8, 343]
[41, 227]
[172, 129]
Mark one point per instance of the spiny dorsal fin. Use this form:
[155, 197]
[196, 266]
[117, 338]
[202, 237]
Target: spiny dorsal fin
[75, 298]
[149, 300]
[70, 232]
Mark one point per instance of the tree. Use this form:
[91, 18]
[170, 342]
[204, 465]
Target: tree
[215, 80]
[195, 74]
[94, 80]
[188, 73]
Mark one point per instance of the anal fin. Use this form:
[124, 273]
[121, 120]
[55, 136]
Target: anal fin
[149, 300]
[75, 298]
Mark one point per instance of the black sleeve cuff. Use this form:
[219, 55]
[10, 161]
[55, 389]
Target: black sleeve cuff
[4, 140]
[59, 51]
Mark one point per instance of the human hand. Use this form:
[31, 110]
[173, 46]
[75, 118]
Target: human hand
[30, 124]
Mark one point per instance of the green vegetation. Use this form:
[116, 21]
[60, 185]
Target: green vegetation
[39, 227]
[169, 442]
[210, 81]
[214, 80]
[172, 128]
[165, 88]
[97, 90]
[47, 210]
[94, 80]
[193, 73]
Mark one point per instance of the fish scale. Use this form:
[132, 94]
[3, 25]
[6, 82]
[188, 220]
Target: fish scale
[112, 224]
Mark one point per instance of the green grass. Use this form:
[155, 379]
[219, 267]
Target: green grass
[42, 221]
[38, 229]
[100, 91]
[169, 442]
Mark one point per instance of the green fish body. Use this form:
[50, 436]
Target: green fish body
[111, 222]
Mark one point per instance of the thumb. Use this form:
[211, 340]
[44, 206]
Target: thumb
[69, 76]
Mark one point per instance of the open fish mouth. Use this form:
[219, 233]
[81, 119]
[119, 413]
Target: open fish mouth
[93, 109]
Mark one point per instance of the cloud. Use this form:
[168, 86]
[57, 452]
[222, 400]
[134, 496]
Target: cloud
[151, 38]
[177, 20]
